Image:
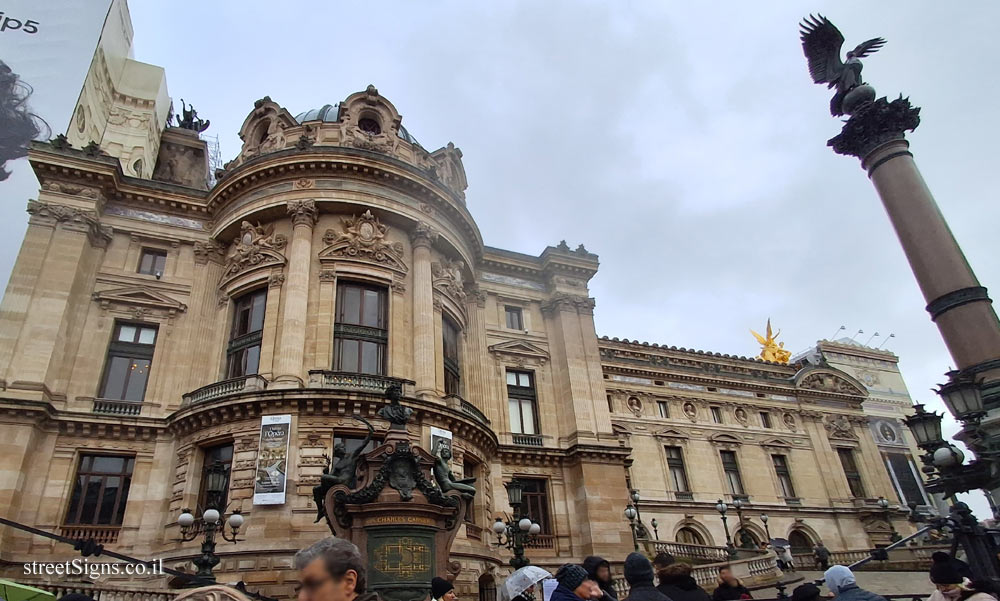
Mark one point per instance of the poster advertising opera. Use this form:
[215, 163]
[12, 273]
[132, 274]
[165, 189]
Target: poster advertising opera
[272, 460]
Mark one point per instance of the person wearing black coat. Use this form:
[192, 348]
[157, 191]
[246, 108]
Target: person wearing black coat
[730, 588]
[599, 570]
[639, 575]
[676, 582]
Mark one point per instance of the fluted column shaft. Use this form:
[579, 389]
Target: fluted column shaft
[291, 352]
[423, 310]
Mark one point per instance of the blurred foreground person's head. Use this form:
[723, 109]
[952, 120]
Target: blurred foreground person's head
[18, 126]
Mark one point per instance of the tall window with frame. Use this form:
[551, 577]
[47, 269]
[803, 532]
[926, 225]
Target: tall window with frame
[130, 356]
[536, 502]
[731, 469]
[100, 490]
[152, 262]
[784, 475]
[361, 330]
[469, 471]
[243, 352]
[218, 457]
[452, 368]
[851, 472]
[514, 317]
[521, 402]
[678, 474]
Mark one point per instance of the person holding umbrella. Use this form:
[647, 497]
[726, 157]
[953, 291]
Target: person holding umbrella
[520, 586]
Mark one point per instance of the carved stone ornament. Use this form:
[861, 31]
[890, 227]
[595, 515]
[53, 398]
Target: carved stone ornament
[254, 247]
[364, 238]
[303, 212]
[519, 351]
[789, 420]
[74, 219]
[139, 302]
[634, 405]
[741, 416]
[71, 189]
[209, 251]
[874, 124]
[569, 302]
[447, 279]
[838, 426]
[828, 382]
[690, 411]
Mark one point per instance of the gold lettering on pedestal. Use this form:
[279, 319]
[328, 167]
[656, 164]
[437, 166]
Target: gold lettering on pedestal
[393, 519]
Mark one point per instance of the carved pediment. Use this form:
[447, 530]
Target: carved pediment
[139, 297]
[520, 349]
[829, 380]
[256, 246]
[839, 426]
[672, 433]
[776, 442]
[447, 279]
[363, 239]
[725, 439]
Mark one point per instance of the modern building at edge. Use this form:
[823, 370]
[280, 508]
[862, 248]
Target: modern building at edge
[157, 311]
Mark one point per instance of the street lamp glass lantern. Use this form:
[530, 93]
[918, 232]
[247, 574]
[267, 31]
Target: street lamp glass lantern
[883, 503]
[524, 524]
[635, 496]
[211, 516]
[764, 518]
[738, 504]
[535, 528]
[236, 520]
[515, 492]
[630, 513]
[721, 507]
[926, 426]
[962, 396]
[499, 527]
[654, 523]
[185, 519]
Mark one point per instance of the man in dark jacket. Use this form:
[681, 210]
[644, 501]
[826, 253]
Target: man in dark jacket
[730, 588]
[639, 575]
[822, 556]
[676, 582]
[573, 584]
[599, 570]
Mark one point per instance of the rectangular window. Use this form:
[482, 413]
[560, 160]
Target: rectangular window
[152, 262]
[732, 471]
[361, 330]
[716, 415]
[100, 490]
[521, 402]
[536, 502]
[130, 356]
[351, 443]
[904, 478]
[515, 319]
[469, 471]
[243, 352]
[611, 404]
[765, 419]
[851, 472]
[452, 369]
[675, 464]
[784, 475]
[219, 457]
[663, 408]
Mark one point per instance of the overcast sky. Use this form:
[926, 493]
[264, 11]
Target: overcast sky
[684, 143]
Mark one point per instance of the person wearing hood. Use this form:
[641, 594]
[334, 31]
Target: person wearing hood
[730, 588]
[574, 585]
[676, 582]
[840, 580]
[951, 585]
[442, 590]
[639, 575]
[599, 570]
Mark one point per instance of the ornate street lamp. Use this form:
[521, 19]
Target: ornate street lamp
[767, 531]
[520, 530]
[721, 507]
[926, 427]
[640, 528]
[212, 525]
[963, 397]
[630, 514]
[883, 503]
[746, 541]
[656, 533]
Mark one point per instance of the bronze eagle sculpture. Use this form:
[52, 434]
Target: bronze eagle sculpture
[821, 43]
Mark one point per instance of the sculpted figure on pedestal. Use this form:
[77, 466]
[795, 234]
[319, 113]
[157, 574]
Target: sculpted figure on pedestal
[345, 471]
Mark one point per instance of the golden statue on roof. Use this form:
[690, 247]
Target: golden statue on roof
[771, 349]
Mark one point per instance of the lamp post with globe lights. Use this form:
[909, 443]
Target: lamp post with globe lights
[630, 515]
[640, 528]
[746, 541]
[883, 504]
[520, 530]
[656, 532]
[767, 531]
[212, 526]
[721, 507]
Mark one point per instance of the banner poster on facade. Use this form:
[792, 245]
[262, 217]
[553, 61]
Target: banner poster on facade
[272, 460]
[439, 437]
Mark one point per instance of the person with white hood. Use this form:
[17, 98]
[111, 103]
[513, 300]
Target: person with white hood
[841, 582]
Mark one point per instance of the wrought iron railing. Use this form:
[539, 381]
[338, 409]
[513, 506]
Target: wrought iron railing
[224, 388]
[115, 407]
[101, 534]
[542, 541]
[527, 440]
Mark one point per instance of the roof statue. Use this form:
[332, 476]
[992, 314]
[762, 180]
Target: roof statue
[771, 349]
[188, 119]
[821, 43]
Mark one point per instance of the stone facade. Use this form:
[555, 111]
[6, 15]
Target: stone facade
[495, 346]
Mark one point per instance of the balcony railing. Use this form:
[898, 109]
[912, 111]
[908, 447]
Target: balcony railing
[224, 388]
[542, 541]
[105, 592]
[342, 380]
[467, 408]
[101, 534]
[114, 407]
[527, 440]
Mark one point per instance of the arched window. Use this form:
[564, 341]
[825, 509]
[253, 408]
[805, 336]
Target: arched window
[689, 536]
[800, 542]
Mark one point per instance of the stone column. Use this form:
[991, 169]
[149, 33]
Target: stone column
[291, 353]
[955, 300]
[475, 352]
[422, 239]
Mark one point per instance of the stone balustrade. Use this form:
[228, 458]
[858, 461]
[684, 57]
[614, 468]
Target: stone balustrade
[116, 407]
[107, 592]
[900, 559]
[224, 388]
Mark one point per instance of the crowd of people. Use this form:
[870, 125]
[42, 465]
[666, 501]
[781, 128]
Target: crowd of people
[334, 570]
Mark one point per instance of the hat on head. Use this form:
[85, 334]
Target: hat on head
[440, 586]
[638, 570]
[571, 575]
[944, 570]
[805, 592]
[663, 559]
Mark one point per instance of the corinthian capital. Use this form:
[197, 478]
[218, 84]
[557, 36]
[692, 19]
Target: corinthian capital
[303, 212]
[423, 235]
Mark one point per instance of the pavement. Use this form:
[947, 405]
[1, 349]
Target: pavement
[883, 583]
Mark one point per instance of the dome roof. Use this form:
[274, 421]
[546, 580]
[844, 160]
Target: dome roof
[330, 113]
